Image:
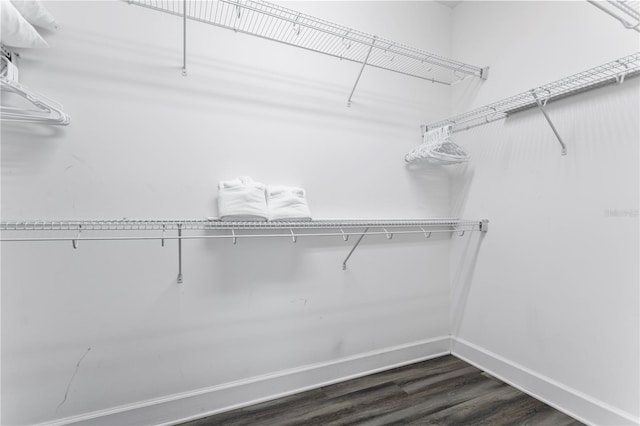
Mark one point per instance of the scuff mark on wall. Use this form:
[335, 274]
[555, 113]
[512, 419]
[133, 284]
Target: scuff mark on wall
[66, 393]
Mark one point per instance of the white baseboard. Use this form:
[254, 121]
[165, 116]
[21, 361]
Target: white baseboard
[204, 402]
[187, 406]
[570, 401]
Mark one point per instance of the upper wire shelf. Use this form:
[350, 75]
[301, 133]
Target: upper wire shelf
[277, 23]
[612, 72]
[625, 11]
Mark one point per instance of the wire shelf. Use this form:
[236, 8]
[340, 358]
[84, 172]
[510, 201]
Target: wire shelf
[613, 72]
[283, 25]
[212, 225]
[323, 228]
[625, 11]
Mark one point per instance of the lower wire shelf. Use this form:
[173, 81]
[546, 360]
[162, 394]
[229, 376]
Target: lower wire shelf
[99, 230]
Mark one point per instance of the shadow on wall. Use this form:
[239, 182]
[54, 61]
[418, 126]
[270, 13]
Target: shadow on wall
[461, 178]
[464, 94]
[463, 267]
[448, 185]
[26, 146]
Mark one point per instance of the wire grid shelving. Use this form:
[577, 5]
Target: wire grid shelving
[612, 72]
[625, 11]
[323, 228]
[283, 25]
[219, 225]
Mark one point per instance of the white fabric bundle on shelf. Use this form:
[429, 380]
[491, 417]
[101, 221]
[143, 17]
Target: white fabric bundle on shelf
[16, 31]
[437, 148]
[35, 13]
[242, 199]
[287, 203]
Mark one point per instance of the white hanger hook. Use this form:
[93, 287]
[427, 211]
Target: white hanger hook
[388, 235]
[74, 242]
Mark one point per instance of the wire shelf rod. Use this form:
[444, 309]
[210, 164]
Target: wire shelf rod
[399, 227]
[146, 225]
[613, 72]
[230, 236]
[277, 23]
[622, 10]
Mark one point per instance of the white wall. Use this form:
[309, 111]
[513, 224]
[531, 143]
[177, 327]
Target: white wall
[550, 300]
[106, 325]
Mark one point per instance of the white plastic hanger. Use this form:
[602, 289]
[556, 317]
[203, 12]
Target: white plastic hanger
[437, 148]
[46, 110]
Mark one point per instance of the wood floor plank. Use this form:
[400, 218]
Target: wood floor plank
[413, 371]
[450, 395]
[443, 391]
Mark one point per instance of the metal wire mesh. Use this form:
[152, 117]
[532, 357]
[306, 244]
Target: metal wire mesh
[277, 23]
[100, 230]
[612, 72]
[152, 225]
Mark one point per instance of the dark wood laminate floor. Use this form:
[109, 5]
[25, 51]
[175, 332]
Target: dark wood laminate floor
[441, 391]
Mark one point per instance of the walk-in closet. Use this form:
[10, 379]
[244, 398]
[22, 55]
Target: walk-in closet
[245, 212]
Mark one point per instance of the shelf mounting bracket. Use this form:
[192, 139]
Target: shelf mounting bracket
[184, 38]
[344, 264]
[364, 64]
[541, 106]
[179, 253]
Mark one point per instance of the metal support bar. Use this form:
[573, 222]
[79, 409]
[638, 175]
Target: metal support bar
[344, 264]
[364, 63]
[184, 38]
[546, 116]
[179, 253]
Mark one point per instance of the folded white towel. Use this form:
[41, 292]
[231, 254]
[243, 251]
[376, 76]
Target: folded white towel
[242, 199]
[287, 203]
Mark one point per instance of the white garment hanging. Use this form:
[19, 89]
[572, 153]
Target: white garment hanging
[437, 148]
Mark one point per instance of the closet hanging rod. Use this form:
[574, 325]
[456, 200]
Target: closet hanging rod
[616, 71]
[277, 23]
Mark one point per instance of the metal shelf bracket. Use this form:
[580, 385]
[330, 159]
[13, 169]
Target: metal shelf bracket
[184, 38]
[364, 64]
[541, 104]
[344, 264]
[179, 253]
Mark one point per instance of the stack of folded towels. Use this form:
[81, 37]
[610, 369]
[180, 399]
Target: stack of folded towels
[287, 203]
[243, 199]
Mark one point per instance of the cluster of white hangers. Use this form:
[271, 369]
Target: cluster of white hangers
[41, 109]
[437, 148]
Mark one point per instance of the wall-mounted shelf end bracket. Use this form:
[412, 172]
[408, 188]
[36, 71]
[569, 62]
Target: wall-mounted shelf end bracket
[484, 225]
[484, 73]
